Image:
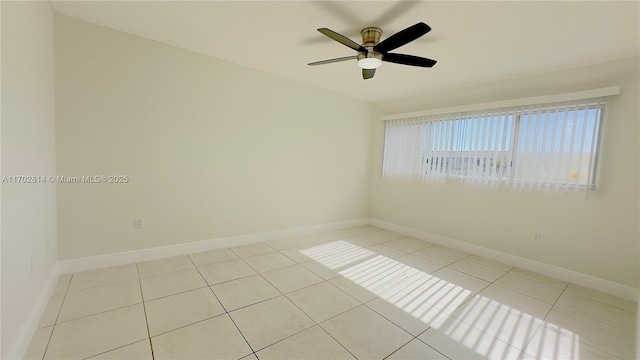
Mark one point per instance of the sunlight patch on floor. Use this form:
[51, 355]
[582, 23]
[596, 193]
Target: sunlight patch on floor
[336, 254]
[480, 324]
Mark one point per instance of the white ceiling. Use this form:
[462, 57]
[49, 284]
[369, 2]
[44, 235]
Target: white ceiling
[474, 42]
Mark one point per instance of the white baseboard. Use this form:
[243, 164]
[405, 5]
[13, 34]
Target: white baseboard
[29, 327]
[128, 257]
[592, 282]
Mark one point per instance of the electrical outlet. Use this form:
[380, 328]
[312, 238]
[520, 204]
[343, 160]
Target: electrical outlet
[138, 223]
[536, 237]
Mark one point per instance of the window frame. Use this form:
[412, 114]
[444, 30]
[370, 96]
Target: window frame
[514, 141]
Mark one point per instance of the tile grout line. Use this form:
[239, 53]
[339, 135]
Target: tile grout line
[361, 303]
[487, 265]
[398, 325]
[541, 327]
[520, 292]
[495, 339]
[413, 337]
[355, 307]
[99, 313]
[57, 316]
[524, 346]
[596, 300]
[107, 284]
[472, 325]
[187, 325]
[594, 320]
[244, 277]
[116, 348]
[522, 351]
[403, 345]
[318, 324]
[223, 307]
[289, 257]
[336, 340]
[424, 342]
[537, 281]
[144, 308]
[633, 312]
[178, 293]
[551, 309]
[281, 294]
[477, 277]
[466, 273]
[307, 315]
[164, 272]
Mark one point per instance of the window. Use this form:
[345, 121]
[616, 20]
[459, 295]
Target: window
[546, 146]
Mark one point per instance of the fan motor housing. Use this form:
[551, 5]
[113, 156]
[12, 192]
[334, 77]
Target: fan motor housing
[371, 36]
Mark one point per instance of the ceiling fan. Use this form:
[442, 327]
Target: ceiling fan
[372, 52]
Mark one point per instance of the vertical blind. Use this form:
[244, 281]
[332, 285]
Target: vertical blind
[543, 146]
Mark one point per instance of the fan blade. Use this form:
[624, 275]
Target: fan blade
[368, 73]
[403, 37]
[408, 60]
[342, 39]
[333, 60]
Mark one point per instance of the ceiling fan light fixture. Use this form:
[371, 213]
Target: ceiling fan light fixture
[372, 52]
[370, 60]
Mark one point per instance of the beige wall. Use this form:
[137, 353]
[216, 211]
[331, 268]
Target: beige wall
[212, 149]
[28, 148]
[596, 236]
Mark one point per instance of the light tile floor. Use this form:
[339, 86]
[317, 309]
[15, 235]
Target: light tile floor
[360, 293]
